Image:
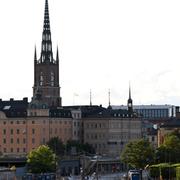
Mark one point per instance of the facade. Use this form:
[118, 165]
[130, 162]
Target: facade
[153, 138]
[108, 131]
[24, 129]
[166, 128]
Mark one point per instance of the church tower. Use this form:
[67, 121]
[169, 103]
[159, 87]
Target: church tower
[46, 87]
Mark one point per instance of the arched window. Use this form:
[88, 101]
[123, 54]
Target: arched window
[52, 79]
[41, 79]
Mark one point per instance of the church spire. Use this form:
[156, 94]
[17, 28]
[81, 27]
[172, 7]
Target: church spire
[109, 98]
[130, 102]
[57, 55]
[46, 17]
[35, 54]
[129, 91]
[46, 45]
[90, 98]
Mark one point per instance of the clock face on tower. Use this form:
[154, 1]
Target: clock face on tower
[129, 104]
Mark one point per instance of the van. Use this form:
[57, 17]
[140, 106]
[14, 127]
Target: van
[134, 175]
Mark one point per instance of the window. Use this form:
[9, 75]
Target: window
[17, 140]
[33, 131]
[52, 79]
[24, 141]
[4, 122]
[24, 149]
[17, 122]
[11, 149]
[11, 131]
[17, 131]
[33, 140]
[4, 150]
[17, 149]
[4, 131]
[4, 141]
[11, 140]
[33, 122]
[11, 122]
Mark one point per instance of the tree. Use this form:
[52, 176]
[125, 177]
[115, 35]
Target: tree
[169, 150]
[138, 153]
[80, 147]
[41, 160]
[56, 145]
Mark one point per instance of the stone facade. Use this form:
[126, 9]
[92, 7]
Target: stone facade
[109, 134]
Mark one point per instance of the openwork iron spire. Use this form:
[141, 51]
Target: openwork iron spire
[46, 17]
[46, 45]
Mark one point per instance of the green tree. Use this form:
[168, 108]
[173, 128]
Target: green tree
[56, 145]
[41, 160]
[138, 154]
[169, 150]
[80, 147]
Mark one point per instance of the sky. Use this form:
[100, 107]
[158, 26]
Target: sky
[103, 44]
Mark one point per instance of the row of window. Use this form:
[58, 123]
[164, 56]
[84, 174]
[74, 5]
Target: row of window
[95, 136]
[95, 125]
[77, 124]
[76, 115]
[17, 141]
[17, 122]
[12, 131]
[125, 125]
[65, 130]
[33, 131]
[76, 133]
[15, 150]
[123, 115]
[44, 121]
[123, 135]
[153, 112]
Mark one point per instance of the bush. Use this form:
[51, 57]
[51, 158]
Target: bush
[164, 169]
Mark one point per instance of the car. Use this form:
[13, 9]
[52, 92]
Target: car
[134, 174]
